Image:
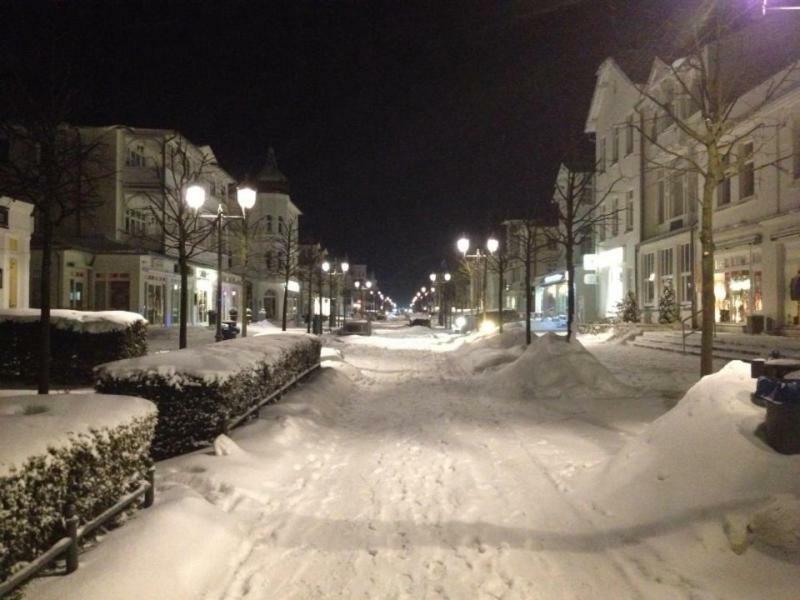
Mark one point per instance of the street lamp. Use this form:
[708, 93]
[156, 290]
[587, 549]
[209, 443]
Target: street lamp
[246, 197]
[345, 269]
[195, 198]
[463, 245]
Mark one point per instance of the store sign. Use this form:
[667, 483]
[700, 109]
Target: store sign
[293, 286]
[554, 278]
[590, 278]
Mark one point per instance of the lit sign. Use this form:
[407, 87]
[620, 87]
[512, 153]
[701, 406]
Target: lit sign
[590, 262]
[554, 278]
[293, 286]
[590, 278]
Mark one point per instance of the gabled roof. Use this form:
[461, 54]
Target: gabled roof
[631, 67]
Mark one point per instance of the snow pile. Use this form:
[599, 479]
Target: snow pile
[703, 458]
[77, 320]
[482, 351]
[32, 424]
[183, 547]
[212, 363]
[550, 367]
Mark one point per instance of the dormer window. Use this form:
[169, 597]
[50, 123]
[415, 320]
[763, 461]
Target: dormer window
[135, 157]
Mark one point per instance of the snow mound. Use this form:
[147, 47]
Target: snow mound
[183, 547]
[77, 320]
[701, 457]
[551, 367]
[481, 352]
[31, 424]
[778, 523]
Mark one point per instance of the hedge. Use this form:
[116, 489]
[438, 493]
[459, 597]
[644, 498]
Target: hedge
[199, 390]
[52, 454]
[79, 340]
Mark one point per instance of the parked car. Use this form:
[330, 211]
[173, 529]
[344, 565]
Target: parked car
[423, 319]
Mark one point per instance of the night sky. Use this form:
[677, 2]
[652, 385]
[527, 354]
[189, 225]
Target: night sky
[400, 124]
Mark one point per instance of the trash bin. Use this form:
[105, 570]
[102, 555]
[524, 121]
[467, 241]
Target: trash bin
[233, 314]
[212, 317]
[783, 416]
[755, 324]
[316, 324]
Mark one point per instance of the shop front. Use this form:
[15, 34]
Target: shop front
[551, 296]
[738, 285]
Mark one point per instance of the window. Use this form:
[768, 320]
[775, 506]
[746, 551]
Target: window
[677, 201]
[665, 271]
[601, 155]
[614, 218]
[629, 211]
[135, 221]
[269, 260]
[280, 224]
[795, 148]
[135, 157]
[661, 199]
[724, 192]
[685, 270]
[747, 176]
[614, 145]
[269, 223]
[4, 217]
[649, 277]
[629, 137]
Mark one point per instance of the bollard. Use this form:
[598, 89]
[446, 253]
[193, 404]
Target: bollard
[71, 525]
[150, 492]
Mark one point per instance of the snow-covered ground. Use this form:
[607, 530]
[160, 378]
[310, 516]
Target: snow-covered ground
[164, 339]
[417, 464]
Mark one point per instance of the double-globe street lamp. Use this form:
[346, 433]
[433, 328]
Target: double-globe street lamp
[331, 271]
[195, 197]
[492, 245]
[442, 298]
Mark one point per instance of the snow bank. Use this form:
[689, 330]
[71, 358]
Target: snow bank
[550, 367]
[77, 320]
[182, 547]
[482, 351]
[30, 425]
[703, 457]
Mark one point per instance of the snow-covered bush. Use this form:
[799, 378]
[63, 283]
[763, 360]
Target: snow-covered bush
[628, 310]
[80, 340]
[85, 449]
[668, 311]
[198, 390]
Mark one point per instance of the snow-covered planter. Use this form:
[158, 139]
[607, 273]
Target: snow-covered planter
[80, 340]
[199, 390]
[86, 449]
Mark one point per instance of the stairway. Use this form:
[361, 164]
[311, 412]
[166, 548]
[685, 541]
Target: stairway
[729, 346]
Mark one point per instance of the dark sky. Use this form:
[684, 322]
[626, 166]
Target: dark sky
[399, 124]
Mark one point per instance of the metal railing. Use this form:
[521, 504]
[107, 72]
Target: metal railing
[685, 334]
[69, 544]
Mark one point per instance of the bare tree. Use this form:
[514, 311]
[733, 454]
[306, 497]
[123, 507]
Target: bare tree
[287, 249]
[50, 165]
[182, 231]
[579, 213]
[526, 240]
[713, 94]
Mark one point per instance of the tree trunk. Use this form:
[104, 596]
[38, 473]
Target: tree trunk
[570, 290]
[500, 268]
[245, 304]
[44, 320]
[707, 276]
[285, 301]
[183, 264]
[310, 301]
[528, 293]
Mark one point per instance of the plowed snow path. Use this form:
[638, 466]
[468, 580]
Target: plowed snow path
[410, 484]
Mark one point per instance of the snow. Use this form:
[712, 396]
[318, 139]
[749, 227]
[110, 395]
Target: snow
[76, 320]
[212, 362]
[30, 424]
[400, 471]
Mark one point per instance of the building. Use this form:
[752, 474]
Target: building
[117, 256]
[276, 247]
[615, 122]
[16, 228]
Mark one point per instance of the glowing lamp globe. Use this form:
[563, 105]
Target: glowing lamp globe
[246, 197]
[462, 245]
[345, 267]
[492, 245]
[369, 284]
[447, 276]
[326, 266]
[195, 196]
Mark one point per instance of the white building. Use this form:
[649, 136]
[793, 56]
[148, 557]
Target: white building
[16, 227]
[279, 218]
[614, 122]
[116, 257]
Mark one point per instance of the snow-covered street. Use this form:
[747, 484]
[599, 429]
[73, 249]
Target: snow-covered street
[401, 471]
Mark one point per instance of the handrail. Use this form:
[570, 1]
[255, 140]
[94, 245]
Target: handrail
[69, 543]
[684, 335]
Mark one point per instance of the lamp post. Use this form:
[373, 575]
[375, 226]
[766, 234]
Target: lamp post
[492, 245]
[345, 269]
[357, 284]
[326, 268]
[446, 307]
[368, 285]
[195, 198]
[246, 197]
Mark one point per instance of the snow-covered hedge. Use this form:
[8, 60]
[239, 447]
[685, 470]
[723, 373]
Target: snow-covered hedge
[86, 449]
[198, 390]
[80, 341]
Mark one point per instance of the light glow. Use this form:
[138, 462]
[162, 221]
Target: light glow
[246, 197]
[463, 245]
[488, 326]
[195, 196]
[492, 245]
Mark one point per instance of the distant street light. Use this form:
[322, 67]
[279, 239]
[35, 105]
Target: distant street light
[246, 197]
